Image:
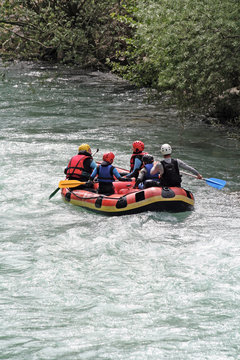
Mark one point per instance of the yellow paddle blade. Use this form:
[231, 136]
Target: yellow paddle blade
[69, 183]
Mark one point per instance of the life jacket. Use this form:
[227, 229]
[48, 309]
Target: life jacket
[133, 157]
[76, 167]
[171, 175]
[149, 175]
[105, 172]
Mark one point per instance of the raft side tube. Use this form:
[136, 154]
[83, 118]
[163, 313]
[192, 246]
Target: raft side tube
[136, 201]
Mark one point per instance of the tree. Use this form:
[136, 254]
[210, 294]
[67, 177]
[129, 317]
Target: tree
[71, 31]
[186, 48]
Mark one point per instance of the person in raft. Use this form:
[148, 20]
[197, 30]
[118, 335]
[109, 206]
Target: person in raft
[145, 178]
[81, 166]
[106, 173]
[136, 162]
[168, 168]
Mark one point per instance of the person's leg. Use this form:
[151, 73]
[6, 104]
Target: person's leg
[106, 188]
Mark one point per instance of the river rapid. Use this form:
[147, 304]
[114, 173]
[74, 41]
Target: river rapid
[79, 285]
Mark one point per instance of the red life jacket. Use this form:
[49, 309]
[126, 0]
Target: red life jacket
[133, 157]
[76, 167]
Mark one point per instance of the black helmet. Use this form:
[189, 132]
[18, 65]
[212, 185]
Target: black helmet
[147, 159]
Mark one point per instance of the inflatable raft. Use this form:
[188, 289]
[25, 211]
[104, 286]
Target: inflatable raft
[127, 200]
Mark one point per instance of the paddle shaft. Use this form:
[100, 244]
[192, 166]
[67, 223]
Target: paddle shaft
[214, 182]
[95, 152]
[217, 183]
[53, 193]
[195, 176]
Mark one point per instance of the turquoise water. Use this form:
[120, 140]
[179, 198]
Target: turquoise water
[79, 285]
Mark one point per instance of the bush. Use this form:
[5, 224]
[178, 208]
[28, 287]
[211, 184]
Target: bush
[187, 48]
[69, 31]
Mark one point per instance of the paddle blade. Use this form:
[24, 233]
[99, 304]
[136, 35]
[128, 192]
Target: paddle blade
[53, 193]
[70, 183]
[216, 183]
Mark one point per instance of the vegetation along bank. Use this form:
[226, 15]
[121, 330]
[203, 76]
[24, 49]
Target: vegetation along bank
[187, 49]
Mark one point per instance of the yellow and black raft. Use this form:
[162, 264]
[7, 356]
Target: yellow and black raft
[127, 200]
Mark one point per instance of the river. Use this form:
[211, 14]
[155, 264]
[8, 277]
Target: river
[79, 285]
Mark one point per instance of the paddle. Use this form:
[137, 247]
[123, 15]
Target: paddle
[70, 183]
[55, 191]
[216, 183]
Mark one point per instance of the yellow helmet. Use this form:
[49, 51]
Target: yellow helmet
[84, 147]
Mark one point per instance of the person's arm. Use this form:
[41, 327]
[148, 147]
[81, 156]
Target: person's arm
[93, 164]
[118, 176]
[93, 174]
[141, 176]
[184, 166]
[157, 168]
[137, 166]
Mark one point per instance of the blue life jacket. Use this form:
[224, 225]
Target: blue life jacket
[149, 175]
[105, 173]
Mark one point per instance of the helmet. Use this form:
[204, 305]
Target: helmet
[85, 147]
[147, 159]
[166, 149]
[109, 157]
[138, 145]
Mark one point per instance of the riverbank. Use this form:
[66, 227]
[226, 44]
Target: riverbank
[189, 53]
[224, 116]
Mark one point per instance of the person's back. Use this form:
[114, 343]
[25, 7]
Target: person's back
[106, 173]
[171, 175]
[149, 176]
[145, 178]
[81, 165]
[136, 162]
[168, 168]
[105, 177]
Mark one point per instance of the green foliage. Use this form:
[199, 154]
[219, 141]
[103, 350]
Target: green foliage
[82, 32]
[186, 48]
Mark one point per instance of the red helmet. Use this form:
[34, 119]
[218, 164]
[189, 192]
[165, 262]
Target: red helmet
[138, 146]
[109, 157]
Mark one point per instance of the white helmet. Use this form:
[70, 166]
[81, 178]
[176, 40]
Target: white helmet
[166, 149]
